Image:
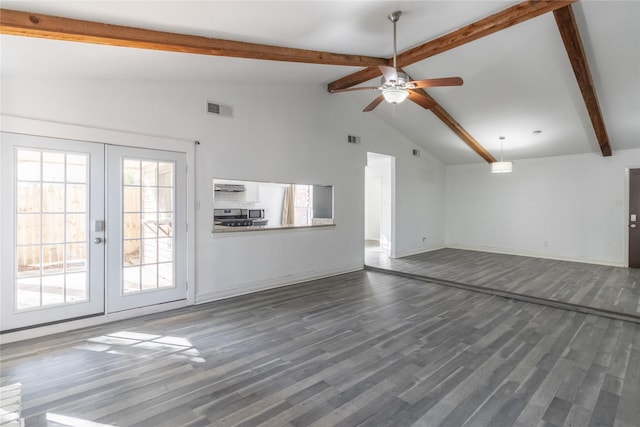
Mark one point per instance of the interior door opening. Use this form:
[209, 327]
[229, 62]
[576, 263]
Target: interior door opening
[378, 210]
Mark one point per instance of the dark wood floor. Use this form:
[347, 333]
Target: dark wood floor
[358, 349]
[607, 288]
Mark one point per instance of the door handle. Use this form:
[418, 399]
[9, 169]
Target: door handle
[632, 226]
[98, 240]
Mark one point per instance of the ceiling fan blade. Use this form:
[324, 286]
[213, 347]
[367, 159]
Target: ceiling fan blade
[389, 73]
[350, 89]
[445, 81]
[374, 103]
[421, 100]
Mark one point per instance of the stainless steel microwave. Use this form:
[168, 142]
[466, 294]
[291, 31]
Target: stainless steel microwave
[255, 213]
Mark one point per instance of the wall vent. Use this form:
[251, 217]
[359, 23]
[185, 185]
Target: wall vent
[219, 109]
[352, 139]
[416, 152]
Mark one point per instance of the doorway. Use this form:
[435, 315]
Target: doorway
[379, 204]
[63, 256]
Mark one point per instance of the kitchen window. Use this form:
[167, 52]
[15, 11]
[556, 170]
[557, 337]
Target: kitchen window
[277, 205]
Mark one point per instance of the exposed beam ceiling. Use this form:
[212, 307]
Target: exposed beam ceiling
[498, 21]
[27, 24]
[22, 23]
[489, 25]
[573, 43]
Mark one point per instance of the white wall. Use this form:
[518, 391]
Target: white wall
[569, 207]
[420, 208]
[373, 206]
[278, 134]
[379, 176]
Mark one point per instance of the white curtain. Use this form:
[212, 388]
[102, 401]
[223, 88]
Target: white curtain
[288, 205]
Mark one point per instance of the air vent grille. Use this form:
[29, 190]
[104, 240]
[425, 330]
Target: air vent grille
[219, 109]
[416, 152]
[352, 139]
[213, 108]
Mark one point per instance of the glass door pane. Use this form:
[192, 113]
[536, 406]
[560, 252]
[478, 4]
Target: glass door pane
[52, 225]
[147, 218]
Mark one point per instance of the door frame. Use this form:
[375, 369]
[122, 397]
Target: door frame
[627, 196]
[42, 128]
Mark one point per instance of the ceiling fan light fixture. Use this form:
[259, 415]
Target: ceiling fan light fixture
[394, 95]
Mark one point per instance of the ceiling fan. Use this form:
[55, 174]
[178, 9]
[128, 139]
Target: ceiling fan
[395, 85]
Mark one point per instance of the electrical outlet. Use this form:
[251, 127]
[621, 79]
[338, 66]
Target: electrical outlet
[545, 244]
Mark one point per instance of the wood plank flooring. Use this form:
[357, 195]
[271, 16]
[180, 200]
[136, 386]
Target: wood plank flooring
[358, 349]
[614, 289]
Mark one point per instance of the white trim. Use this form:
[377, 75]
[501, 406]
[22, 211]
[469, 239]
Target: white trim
[534, 254]
[393, 253]
[88, 322]
[402, 254]
[36, 127]
[263, 285]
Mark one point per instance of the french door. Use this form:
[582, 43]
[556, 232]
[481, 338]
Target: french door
[147, 224]
[62, 255]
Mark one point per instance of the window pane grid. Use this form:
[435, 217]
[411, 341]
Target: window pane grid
[50, 243]
[147, 225]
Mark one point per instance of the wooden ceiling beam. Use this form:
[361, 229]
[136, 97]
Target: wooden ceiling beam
[453, 124]
[19, 23]
[509, 17]
[573, 44]
[465, 136]
[461, 132]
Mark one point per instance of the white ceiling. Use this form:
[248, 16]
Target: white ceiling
[515, 81]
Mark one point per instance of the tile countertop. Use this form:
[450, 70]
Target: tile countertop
[240, 229]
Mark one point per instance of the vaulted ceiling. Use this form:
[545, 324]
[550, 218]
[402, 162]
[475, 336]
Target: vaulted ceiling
[568, 69]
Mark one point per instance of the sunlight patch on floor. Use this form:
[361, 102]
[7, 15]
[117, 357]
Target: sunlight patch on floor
[139, 344]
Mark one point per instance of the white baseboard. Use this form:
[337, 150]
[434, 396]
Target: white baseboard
[263, 285]
[70, 325]
[417, 251]
[535, 254]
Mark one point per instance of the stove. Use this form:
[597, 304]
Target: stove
[235, 218]
[234, 222]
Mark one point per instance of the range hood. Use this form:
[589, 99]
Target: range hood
[231, 188]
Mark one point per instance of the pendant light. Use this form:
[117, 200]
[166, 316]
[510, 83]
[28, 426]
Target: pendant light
[501, 166]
